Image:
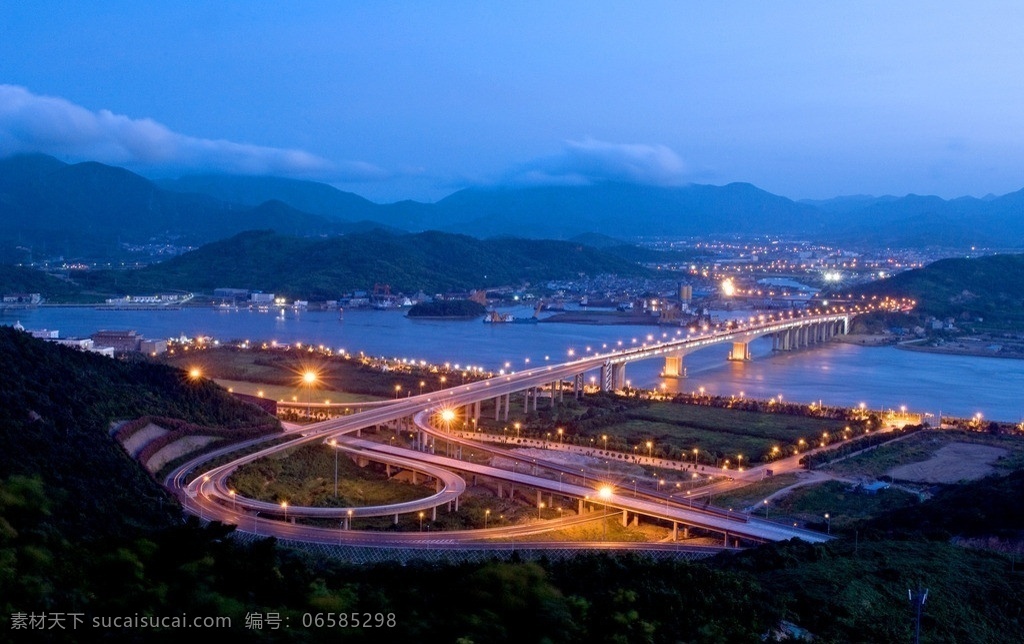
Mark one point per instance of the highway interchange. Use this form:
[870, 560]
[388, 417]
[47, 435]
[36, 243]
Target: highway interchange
[204, 490]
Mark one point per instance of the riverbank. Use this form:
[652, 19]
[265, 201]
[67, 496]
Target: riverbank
[972, 349]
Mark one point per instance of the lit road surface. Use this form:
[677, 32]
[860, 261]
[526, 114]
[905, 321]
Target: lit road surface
[750, 528]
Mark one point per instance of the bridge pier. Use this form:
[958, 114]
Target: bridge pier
[740, 351]
[625, 518]
[619, 376]
[606, 377]
[674, 367]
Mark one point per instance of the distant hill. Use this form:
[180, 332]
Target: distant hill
[989, 287]
[596, 214]
[325, 268]
[308, 196]
[50, 208]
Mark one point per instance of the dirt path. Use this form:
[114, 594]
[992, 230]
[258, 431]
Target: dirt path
[952, 463]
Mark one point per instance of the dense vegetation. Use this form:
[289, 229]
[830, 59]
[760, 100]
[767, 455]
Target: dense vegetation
[81, 530]
[991, 288]
[15, 279]
[326, 268]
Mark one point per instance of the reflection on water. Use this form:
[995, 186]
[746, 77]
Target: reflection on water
[838, 374]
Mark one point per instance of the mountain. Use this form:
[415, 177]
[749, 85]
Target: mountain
[48, 208]
[308, 196]
[326, 268]
[624, 210]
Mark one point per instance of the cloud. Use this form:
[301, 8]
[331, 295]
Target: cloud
[591, 161]
[52, 125]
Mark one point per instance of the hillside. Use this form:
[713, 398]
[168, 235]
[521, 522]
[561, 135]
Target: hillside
[49, 208]
[989, 287]
[325, 268]
[16, 279]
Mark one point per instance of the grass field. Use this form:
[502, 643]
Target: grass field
[810, 504]
[716, 433]
[305, 476]
[285, 368]
[923, 446]
[288, 392]
[755, 492]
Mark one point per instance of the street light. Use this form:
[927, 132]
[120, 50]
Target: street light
[487, 514]
[604, 437]
[766, 509]
[604, 493]
[284, 506]
[398, 389]
[828, 521]
[560, 432]
[540, 506]
[309, 379]
[234, 505]
[334, 444]
[694, 458]
[650, 449]
[421, 522]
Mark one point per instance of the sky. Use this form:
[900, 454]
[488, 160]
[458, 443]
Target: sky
[415, 100]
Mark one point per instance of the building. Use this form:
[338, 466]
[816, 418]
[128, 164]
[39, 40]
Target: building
[153, 347]
[120, 341]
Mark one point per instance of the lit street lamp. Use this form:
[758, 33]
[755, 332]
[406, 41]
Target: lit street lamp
[334, 444]
[604, 493]
[309, 378]
[284, 506]
[828, 521]
[421, 522]
[487, 514]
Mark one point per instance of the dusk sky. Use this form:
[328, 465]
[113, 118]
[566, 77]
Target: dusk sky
[397, 100]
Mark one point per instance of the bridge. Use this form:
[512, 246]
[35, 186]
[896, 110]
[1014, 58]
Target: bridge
[788, 332]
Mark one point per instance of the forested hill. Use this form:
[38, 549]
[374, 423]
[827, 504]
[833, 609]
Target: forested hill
[325, 268]
[56, 409]
[989, 287]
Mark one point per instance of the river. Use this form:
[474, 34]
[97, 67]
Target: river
[835, 374]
